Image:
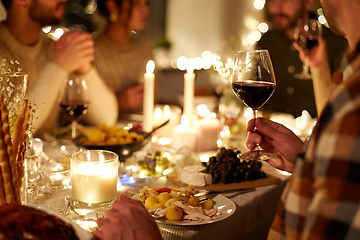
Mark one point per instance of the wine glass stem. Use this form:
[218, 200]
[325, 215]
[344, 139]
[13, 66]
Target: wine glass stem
[306, 65]
[257, 147]
[73, 129]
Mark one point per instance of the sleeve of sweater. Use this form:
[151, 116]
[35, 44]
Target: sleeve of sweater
[45, 92]
[103, 104]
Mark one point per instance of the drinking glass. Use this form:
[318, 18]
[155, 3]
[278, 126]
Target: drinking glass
[75, 101]
[306, 35]
[253, 83]
[13, 87]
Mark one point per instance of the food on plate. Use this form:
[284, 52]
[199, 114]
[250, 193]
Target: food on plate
[173, 213]
[145, 192]
[225, 167]
[105, 135]
[177, 204]
[24, 222]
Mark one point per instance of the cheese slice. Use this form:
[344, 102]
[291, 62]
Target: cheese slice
[193, 175]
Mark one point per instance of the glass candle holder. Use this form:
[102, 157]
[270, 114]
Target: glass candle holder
[94, 177]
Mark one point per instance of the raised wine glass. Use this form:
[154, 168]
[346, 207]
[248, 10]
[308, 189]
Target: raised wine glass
[253, 83]
[306, 35]
[75, 101]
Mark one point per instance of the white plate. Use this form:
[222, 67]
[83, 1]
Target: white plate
[81, 233]
[225, 207]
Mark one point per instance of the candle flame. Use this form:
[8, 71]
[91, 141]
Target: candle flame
[150, 66]
[158, 113]
[184, 120]
[167, 111]
[207, 115]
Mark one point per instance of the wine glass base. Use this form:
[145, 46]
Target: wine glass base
[256, 155]
[303, 75]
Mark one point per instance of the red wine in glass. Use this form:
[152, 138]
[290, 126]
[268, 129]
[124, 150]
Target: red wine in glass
[75, 101]
[307, 43]
[74, 108]
[254, 94]
[254, 83]
[306, 35]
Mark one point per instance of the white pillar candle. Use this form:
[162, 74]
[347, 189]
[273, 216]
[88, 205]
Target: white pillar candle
[148, 105]
[183, 136]
[94, 176]
[163, 113]
[189, 85]
[207, 133]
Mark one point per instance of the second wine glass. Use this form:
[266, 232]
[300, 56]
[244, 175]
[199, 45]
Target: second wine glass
[306, 35]
[253, 83]
[75, 101]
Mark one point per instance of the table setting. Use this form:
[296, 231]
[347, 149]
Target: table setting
[77, 177]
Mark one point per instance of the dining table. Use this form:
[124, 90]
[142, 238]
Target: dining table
[250, 218]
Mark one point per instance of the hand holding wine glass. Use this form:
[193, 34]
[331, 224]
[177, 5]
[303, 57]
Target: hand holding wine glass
[253, 83]
[75, 101]
[306, 36]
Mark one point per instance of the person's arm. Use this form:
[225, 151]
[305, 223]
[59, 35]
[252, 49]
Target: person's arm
[322, 84]
[320, 72]
[334, 208]
[45, 92]
[103, 103]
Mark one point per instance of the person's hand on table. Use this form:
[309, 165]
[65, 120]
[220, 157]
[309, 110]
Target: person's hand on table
[276, 138]
[127, 219]
[316, 56]
[131, 98]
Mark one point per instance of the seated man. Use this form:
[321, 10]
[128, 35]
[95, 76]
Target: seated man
[48, 70]
[294, 95]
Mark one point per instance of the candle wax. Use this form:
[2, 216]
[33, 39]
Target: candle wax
[207, 134]
[183, 136]
[94, 184]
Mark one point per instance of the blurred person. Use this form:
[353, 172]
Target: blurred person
[48, 64]
[127, 219]
[120, 56]
[294, 95]
[322, 198]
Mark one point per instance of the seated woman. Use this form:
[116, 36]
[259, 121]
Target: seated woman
[120, 57]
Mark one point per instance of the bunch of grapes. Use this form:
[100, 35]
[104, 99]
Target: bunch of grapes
[226, 167]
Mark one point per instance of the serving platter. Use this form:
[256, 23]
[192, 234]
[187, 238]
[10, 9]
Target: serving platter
[219, 187]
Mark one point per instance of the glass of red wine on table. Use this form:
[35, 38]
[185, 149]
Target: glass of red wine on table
[306, 36]
[253, 83]
[75, 101]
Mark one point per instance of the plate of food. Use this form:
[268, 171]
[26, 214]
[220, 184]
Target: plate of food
[40, 222]
[116, 139]
[181, 206]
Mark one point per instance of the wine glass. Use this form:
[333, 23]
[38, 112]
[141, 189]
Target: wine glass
[306, 35]
[253, 83]
[75, 101]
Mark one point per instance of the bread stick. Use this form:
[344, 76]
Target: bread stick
[7, 158]
[19, 140]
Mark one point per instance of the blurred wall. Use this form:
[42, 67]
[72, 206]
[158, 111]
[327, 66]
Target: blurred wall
[195, 26]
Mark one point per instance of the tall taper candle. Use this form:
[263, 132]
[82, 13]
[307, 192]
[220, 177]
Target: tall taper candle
[189, 85]
[148, 105]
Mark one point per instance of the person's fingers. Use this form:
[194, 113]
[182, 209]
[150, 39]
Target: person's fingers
[99, 234]
[271, 129]
[250, 125]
